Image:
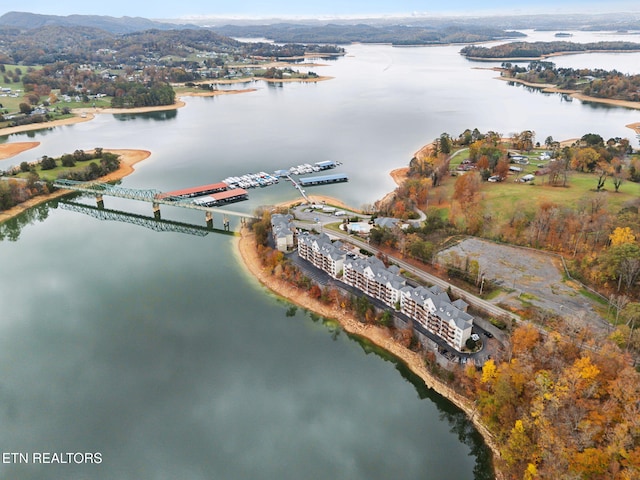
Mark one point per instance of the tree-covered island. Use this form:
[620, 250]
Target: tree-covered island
[539, 50]
[31, 179]
[596, 83]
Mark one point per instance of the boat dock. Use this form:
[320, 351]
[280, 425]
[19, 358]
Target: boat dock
[323, 179]
[195, 191]
[220, 198]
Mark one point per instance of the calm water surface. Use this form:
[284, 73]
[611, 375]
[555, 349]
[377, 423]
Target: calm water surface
[158, 351]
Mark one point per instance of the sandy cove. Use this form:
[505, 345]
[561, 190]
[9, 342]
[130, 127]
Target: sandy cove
[315, 198]
[377, 335]
[8, 150]
[635, 127]
[128, 158]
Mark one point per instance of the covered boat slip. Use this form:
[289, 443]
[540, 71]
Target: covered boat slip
[228, 196]
[196, 191]
[323, 179]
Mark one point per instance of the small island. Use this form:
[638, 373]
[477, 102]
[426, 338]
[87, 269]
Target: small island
[540, 50]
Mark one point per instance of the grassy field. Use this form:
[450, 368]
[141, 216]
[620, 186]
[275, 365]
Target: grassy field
[54, 173]
[503, 197]
[509, 194]
[11, 104]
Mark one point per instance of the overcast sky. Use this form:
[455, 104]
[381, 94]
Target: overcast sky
[167, 9]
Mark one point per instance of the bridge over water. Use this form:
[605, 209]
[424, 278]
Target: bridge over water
[153, 196]
[152, 223]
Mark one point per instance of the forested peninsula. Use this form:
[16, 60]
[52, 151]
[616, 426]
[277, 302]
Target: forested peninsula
[539, 50]
[394, 34]
[594, 83]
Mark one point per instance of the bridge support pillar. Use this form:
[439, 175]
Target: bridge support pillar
[100, 201]
[209, 218]
[156, 211]
[225, 223]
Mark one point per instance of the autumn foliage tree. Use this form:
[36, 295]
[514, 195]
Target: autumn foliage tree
[560, 411]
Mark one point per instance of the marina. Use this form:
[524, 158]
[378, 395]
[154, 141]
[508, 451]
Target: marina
[251, 180]
[323, 179]
[227, 196]
[195, 191]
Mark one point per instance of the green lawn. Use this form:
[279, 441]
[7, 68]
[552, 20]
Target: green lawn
[502, 199]
[54, 173]
[509, 192]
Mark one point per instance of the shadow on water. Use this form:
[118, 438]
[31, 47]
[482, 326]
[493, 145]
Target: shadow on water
[11, 229]
[458, 422]
[564, 97]
[152, 223]
[157, 116]
[456, 418]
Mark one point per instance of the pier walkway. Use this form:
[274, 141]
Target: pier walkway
[300, 189]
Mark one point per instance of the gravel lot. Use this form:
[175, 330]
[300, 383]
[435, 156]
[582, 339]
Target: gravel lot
[527, 276]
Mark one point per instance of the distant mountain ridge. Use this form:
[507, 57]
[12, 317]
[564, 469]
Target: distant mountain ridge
[116, 25]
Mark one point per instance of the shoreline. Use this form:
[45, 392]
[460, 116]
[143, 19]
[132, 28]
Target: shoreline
[316, 198]
[128, 158]
[544, 56]
[248, 257]
[635, 127]
[90, 112]
[8, 150]
[549, 88]
[377, 335]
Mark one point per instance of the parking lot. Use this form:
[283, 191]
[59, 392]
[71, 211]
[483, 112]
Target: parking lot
[526, 277]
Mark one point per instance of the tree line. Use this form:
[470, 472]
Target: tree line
[14, 191]
[541, 49]
[395, 34]
[561, 402]
[596, 83]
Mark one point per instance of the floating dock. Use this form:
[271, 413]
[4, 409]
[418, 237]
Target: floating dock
[326, 165]
[323, 179]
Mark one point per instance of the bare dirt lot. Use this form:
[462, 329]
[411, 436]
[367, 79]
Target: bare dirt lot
[527, 277]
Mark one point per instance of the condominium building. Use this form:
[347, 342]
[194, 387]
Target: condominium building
[322, 253]
[433, 309]
[283, 230]
[430, 307]
[372, 277]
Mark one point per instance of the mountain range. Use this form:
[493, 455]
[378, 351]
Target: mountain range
[117, 25]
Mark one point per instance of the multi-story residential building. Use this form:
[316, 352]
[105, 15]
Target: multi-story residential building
[433, 309]
[283, 230]
[430, 307]
[373, 278]
[322, 253]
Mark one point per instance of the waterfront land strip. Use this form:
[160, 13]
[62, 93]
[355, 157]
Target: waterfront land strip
[128, 158]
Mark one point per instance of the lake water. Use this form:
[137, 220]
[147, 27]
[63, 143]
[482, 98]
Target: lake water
[158, 351]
